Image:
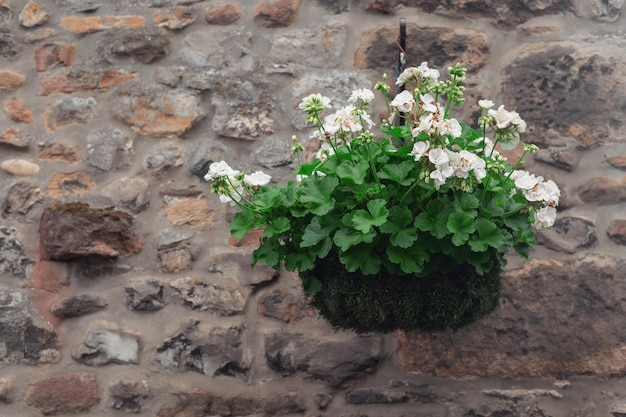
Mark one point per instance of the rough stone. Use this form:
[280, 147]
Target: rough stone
[163, 157]
[80, 6]
[6, 391]
[439, 46]
[274, 152]
[51, 277]
[65, 111]
[336, 6]
[78, 305]
[109, 149]
[15, 138]
[75, 392]
[48, 55]
[617, 231]
[606, 10]
[144, 294]
[566, 76]
[618, 407]
[145, 45]
[39, 35]
[208, 151]
[129, 394]
[80, 79]
[209, 351]
[132, 194]
[522, 394]
[32, 15]
[174, 19]
[569, 235]
[561, 153]
[69, 184]
[19, 167]
[200, 79]
[222, 14]
[332, 360]
[603, 191]
[24, 337]
[11, 80]
[13, 259]
[107, 343]
[194, 212]
[300, 50]
[283, 305]
[236, 265]
[227, 50]
[223, 299]
[276, 13]
[536, 331]
[381, 6]
[618, 162]
[62, 152]
[176, 259]
[18, 111]
[76, 230]
[21, 200]
[153, 111]
[92, 24]
[9, 49]
[388, 395]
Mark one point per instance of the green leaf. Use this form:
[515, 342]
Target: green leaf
[397, 225]
[347, 237]
[299, 261]
[375, 215]
[398, 172]
[316, 193]
[277, 227]
[361, 257]
[466, 202]
[269, 253]
[311, 285]
[411, 260]
[488, 235]
[461, 225]
[354, 172]
[242, 222]
[319, 229]
[434, 219]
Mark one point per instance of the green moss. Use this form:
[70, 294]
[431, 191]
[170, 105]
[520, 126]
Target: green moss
[387, 302]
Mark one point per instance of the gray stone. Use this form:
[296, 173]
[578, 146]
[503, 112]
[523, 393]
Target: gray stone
[237, 265]
[568, 234]
[209, 351]
[209, 151]
[129, 394]
[79, 6]
[332, 360]
[109, 149]
[144, 295]
[298, 51]
[22, 198]
[284, 305]
[522, 394]
[164, 157]
[322, 400]
[175, 259]
[132, 194]
[225, 299]
[336, 6]
[226, 50]
[77, 306]
[274, 152]
[66, 111]
[9, 49]
[186, 77]
[560, 152]
[106, 343]
[618, 408]
[6, 391]
[146, 44]
[607, 10]
[13, 259]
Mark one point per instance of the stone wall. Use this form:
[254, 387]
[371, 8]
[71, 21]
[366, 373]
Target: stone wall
[132, 298]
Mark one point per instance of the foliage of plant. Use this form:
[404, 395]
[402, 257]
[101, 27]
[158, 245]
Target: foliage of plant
[427, 194]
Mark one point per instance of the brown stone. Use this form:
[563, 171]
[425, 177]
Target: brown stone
[63, 152]
[276, 13]
[603, 191]
[91, 24]
[21, 200]
[66, 111]
[33, 15]
[145, 44]
[11, 80]
[175, 259]
[39, 34]
[50, 276]
[251, 239]
[439, 46]
[75, 392]
[14, 137]
[194, 212]
[617, 231]
[618, 162]
[73, 80]
[283, 305]
[70, 184]
[222, 14]
[76, 230]
[174, 19]
[19, 167]
[48, 55]
[18, 112]
[381, 6]
[537, 331]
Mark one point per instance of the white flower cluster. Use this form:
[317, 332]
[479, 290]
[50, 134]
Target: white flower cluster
[507, 124]
[448, 163]
[230, 184]
[430, 115]
[544, 192]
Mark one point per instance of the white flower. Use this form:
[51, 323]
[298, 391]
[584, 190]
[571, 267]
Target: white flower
[511, 143]
[425, 125]
[552, 192]
[363, 95]
[428, 103]
[418, 73]
[342, 119]
[485, 104]
[469, 162]
[314, 101]
[218, 170]
[438, 156]
[442, 173]
[505, 118]
[403, 102]
[545, 217]
[324, 152]
[419, 149]
[257, 179]
[450, 127]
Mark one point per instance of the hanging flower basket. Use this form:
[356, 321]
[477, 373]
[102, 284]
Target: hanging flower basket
[406, 228]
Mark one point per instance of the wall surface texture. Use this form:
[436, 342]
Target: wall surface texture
[134, 299]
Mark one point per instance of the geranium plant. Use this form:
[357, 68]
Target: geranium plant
[428, 202]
